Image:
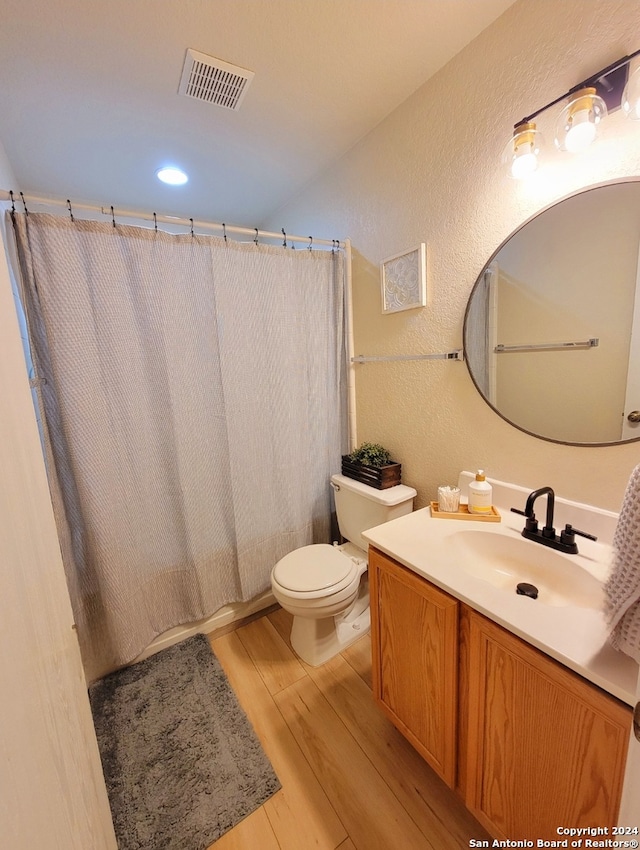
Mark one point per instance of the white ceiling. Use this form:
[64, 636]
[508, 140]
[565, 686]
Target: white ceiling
[89, 105]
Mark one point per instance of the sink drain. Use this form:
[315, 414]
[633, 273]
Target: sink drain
[526, 589]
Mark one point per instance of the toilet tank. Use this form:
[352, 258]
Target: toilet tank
[360, 507]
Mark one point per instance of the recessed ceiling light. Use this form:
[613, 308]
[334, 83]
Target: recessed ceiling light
[171, 175]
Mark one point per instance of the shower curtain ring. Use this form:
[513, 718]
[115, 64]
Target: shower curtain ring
[13, 202]
[70, 210]
[24, 204]
[155, 223]
[192, 233]
[224, 231]
[256, 237]
[284, 244]
[113, 217]
[310, 242]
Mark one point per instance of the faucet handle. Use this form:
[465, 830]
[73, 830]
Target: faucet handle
[568, 535]
[531, 524]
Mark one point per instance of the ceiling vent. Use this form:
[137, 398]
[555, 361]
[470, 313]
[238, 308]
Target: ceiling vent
[214, 81]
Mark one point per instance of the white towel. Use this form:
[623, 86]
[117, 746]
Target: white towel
[622, 589]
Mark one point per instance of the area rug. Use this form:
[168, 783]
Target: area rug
[181, 761]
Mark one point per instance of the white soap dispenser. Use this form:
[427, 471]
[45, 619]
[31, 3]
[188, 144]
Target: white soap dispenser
[480, 495]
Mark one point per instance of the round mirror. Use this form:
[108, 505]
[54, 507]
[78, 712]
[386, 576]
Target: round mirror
[552, 327]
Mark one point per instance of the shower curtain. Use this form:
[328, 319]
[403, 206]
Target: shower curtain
[194, 407]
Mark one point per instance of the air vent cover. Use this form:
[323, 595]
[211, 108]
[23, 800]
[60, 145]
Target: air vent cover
[214, 81]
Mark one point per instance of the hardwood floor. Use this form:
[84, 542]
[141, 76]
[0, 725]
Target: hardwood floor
[349, 780]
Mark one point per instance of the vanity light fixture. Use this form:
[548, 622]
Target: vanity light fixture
[587, 104]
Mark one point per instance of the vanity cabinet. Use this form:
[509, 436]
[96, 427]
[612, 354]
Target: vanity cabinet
[414, 629]
[545, 748]
[529, 744]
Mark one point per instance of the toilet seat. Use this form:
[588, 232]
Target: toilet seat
[316, 569]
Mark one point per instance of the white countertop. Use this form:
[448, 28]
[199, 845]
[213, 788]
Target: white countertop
[577, 637]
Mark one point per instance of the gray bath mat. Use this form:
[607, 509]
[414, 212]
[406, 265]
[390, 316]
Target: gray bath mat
[181, 761]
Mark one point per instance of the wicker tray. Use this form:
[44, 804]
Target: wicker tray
[463, 513]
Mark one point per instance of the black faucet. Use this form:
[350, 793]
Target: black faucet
[565, 542]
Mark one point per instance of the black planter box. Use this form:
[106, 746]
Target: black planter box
[380, 477]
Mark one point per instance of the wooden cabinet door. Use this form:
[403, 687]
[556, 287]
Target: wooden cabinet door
[545, 748]
[414, 632]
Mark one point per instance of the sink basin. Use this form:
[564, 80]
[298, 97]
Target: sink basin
[505, 561]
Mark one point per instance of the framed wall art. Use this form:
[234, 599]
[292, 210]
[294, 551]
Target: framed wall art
[404, 280]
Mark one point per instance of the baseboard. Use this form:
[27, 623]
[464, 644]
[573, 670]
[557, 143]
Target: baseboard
[222, 618]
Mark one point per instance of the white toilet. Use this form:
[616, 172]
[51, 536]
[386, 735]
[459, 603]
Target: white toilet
[325, 587]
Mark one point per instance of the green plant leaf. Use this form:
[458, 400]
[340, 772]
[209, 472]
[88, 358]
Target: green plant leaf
[371, 454]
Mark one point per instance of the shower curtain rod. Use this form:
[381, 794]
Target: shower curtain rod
[255, 233]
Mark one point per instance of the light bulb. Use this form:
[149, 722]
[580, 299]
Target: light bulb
[576, 126]
[520, 154]
[581, 132]
[523, 164]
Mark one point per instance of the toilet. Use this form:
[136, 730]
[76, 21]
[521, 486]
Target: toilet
[325, 587]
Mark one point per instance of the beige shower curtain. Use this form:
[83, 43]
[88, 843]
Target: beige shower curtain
[194, 407]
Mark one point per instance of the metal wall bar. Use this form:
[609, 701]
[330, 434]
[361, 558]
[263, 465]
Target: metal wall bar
[449, 355]
[547, 346]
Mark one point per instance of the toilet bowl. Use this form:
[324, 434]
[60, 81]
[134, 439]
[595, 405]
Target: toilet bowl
[320, 585]
[325, 587]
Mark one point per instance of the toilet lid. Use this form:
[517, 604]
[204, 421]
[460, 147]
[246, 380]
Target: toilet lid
[315, 567]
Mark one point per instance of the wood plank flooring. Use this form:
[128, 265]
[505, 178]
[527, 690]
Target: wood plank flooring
[349, 780]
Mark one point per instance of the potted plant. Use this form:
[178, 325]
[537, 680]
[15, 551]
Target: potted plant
[371, 464]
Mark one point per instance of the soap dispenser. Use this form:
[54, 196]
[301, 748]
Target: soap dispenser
[480, 495]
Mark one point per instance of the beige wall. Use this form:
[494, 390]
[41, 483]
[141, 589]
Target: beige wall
[431, 172]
